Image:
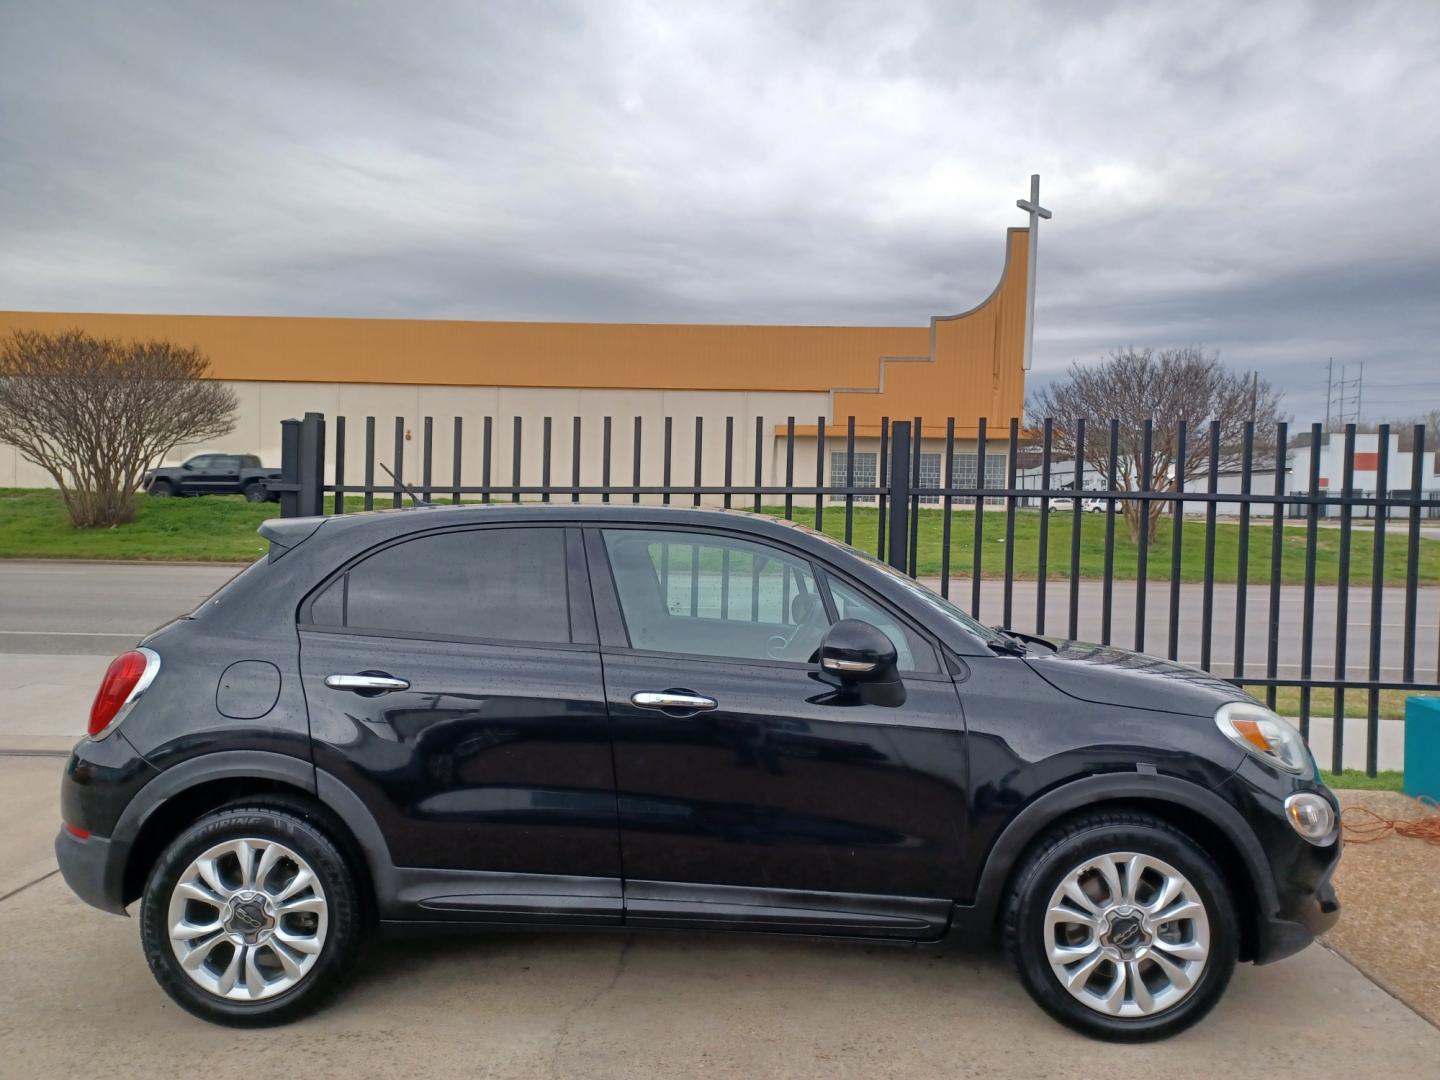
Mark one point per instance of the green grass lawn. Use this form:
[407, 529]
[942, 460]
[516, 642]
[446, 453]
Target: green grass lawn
[1092, 547]
[213, 528]
[1322, 701]
[1356, 778]
[222, 527]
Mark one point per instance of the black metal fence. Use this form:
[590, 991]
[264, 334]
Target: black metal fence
[1263, 643]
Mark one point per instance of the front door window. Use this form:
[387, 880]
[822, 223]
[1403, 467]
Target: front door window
[705, 595]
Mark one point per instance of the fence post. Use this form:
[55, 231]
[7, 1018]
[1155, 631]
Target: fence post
[310, 499]
[290, 467]
[899, 491]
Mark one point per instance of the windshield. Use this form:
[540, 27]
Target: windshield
[932, 600]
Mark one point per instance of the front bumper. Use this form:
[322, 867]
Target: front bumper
[1304, 916]
[93, 867]
[1303, 903]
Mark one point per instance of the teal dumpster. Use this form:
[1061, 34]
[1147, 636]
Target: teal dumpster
[1422, 746]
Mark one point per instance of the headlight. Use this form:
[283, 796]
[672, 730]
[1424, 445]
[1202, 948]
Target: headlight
[1265, 735]
[1311, 816]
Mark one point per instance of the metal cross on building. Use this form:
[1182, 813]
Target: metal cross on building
[1032, 207]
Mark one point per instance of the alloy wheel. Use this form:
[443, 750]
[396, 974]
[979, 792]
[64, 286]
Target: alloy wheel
[247, 919]
[1127, 934]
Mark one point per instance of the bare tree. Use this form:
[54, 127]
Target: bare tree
[94, 413]
[1167, 387]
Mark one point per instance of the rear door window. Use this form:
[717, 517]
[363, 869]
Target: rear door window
[465, 585]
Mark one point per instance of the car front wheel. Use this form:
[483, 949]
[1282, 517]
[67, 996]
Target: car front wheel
[1122, 927]
[250, 917]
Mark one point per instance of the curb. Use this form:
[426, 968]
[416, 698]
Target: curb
[60, 560]
[38, 745]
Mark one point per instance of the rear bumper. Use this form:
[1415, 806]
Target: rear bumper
[93, 867]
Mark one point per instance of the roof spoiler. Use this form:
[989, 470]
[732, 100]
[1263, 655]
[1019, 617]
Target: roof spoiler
[287, 533]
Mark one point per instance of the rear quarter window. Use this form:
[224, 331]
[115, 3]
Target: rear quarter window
[475, 584]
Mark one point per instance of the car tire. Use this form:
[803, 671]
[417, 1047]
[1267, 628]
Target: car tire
[1081, 893]
[162, 489]
[282, 942]
[256, 492]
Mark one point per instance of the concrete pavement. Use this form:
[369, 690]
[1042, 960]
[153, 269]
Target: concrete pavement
[30, 808]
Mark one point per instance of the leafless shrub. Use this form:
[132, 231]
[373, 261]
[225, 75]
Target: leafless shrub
[94, 413]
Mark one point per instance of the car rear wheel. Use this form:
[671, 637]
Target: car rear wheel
[256, 492]
[1122, 927]
[250, 917]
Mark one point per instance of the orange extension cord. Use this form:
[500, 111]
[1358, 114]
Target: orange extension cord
[1371, 826]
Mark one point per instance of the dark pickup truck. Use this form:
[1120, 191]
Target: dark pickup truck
[214, 474]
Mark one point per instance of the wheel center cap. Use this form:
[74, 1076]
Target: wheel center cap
[1126, 930]
[250, 917]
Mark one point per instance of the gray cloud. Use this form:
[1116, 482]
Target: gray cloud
[1255, 178]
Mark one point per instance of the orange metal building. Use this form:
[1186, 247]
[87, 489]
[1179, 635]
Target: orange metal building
[966, 365]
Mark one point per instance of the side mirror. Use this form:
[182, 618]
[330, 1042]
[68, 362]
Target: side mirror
[860, 658]
[187, 465]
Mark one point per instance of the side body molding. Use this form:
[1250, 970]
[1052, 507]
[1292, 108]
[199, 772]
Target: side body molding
[420, 895]
[977, 920]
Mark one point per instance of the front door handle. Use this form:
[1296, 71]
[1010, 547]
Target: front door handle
[367, 683]
[672, 699]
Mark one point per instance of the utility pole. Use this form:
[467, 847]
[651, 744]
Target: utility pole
[1347, 396]
[1329, 385]
[1254, 393]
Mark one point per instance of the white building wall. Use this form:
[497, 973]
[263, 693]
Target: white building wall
[263, 405]
[1332, 465]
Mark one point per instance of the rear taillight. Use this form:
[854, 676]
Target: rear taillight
[127, 677]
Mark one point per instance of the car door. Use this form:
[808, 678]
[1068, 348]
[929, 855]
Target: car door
[751, 793]
[224, 475]
[194, 475]
[454, 684]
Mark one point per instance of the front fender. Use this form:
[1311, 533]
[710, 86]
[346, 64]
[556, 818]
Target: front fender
[978, 918]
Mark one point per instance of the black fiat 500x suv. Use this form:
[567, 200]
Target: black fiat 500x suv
[637, 717]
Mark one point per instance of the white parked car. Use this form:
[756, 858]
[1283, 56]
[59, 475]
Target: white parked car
[1088, 505]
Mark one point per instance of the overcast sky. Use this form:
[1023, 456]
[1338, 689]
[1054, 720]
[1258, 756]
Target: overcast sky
[1256, 178]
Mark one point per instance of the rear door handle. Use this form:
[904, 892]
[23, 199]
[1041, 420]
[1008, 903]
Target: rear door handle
[367, 683]
[672, 699]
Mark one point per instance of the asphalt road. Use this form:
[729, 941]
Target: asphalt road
[99, 609]
[76, 999]
[83, 608]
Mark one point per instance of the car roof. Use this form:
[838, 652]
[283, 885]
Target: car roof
[384, 524]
